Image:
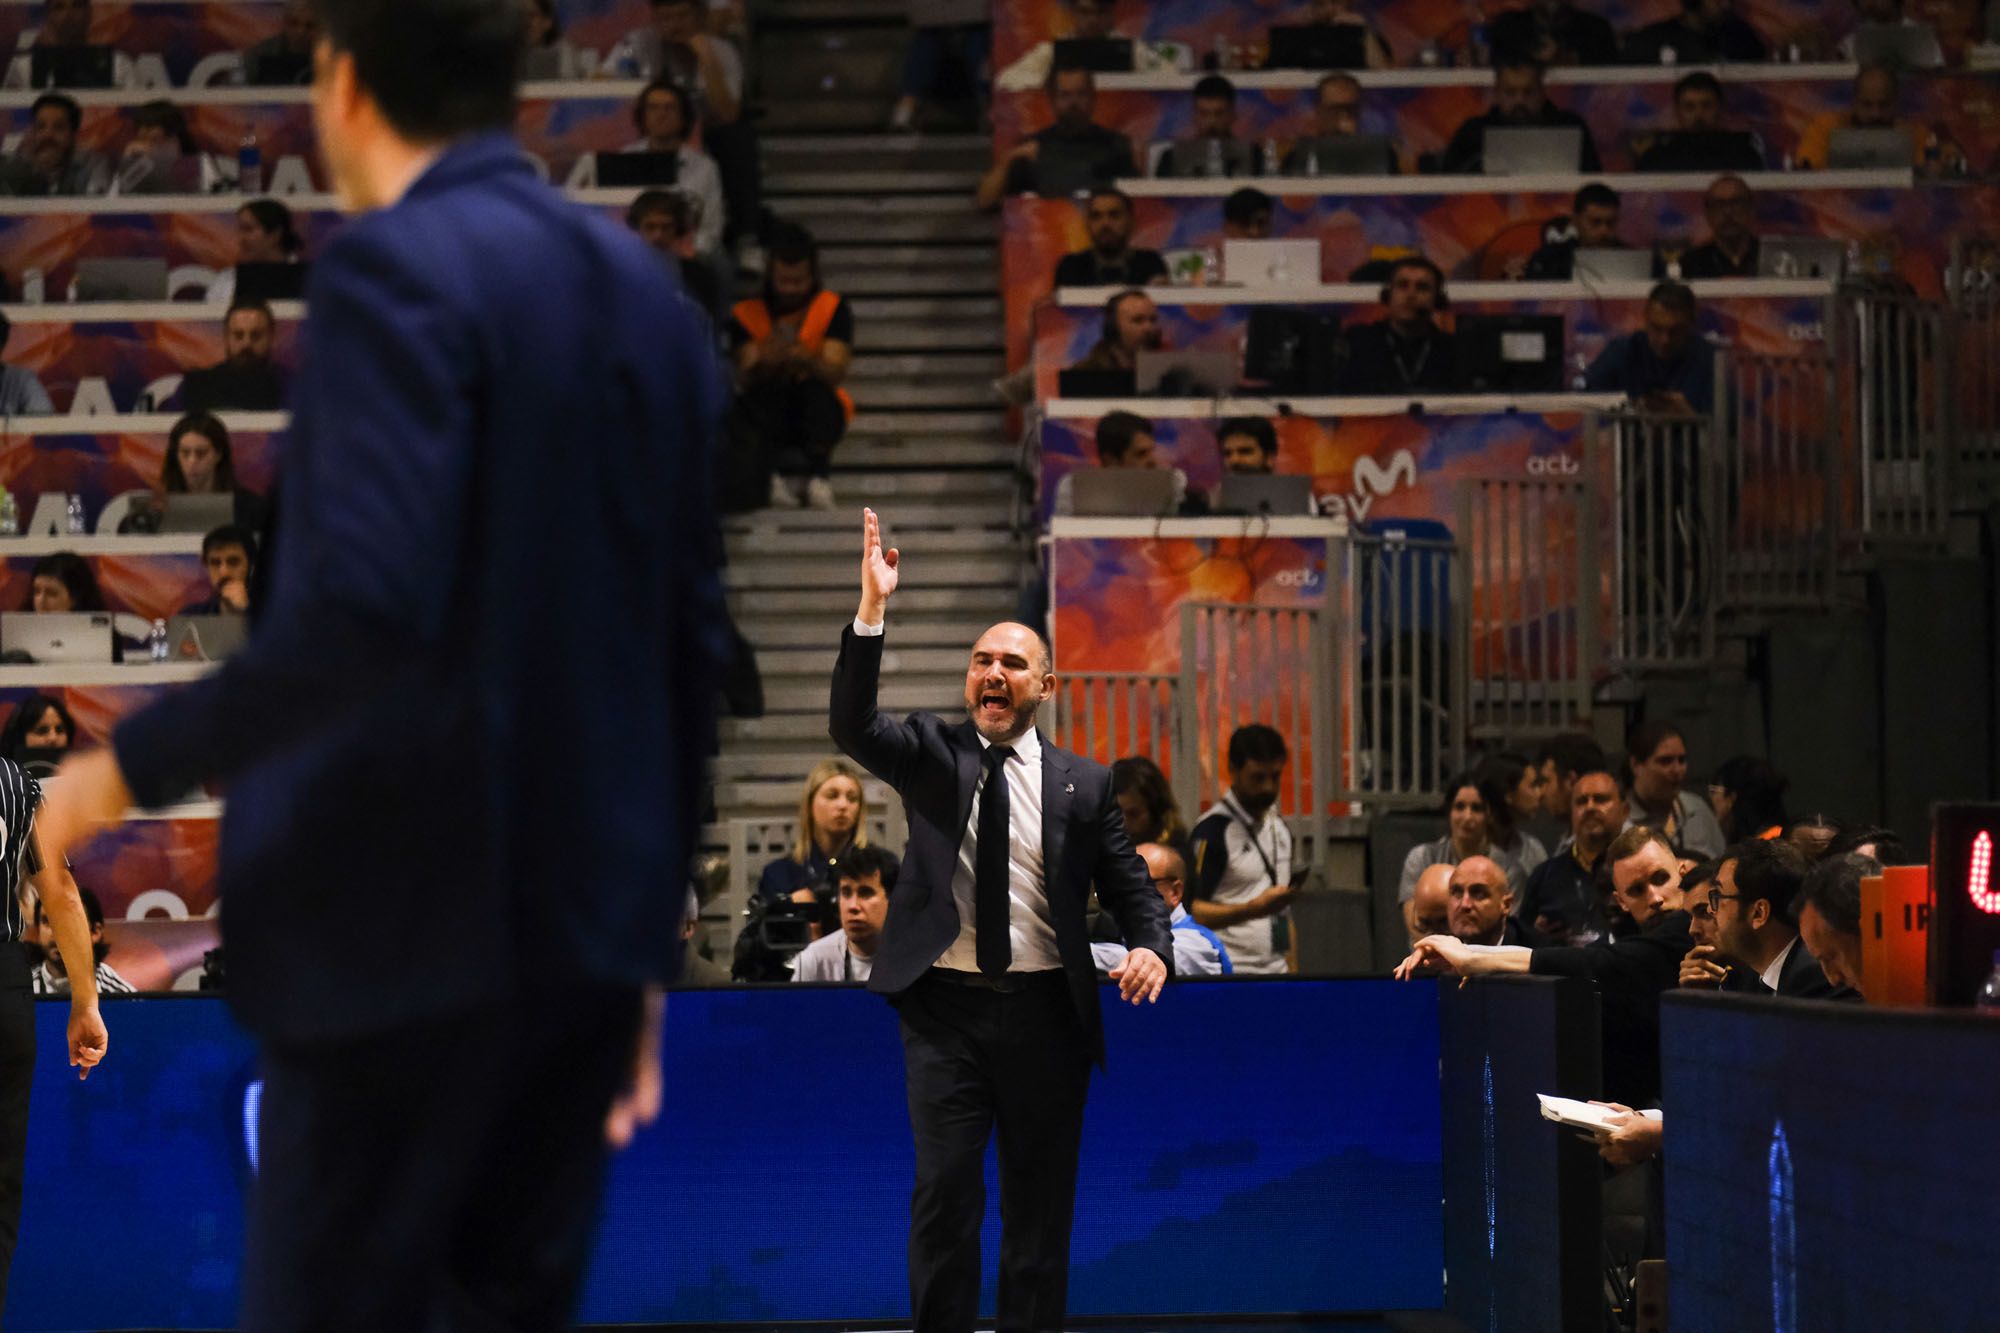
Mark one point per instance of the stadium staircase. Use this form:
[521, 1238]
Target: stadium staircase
[928, 448]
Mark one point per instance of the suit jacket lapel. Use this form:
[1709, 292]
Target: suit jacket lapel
[969, 750]
[1057, 795]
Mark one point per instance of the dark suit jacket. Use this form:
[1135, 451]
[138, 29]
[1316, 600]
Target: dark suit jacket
[935, 765]
[1801, 978]
[478, 350]
[1630, 976]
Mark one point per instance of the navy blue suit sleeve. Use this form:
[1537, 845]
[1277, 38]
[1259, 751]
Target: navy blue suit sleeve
[1211, 856]
[1125, 888]
[375, 513]
[882, 745]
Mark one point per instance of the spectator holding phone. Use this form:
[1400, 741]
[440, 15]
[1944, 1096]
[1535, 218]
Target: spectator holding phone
[1242, 881]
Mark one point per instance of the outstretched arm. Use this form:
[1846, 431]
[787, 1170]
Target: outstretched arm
[64, 908]
[883, 746]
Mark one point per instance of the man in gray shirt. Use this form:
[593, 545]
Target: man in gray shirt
[48, 161]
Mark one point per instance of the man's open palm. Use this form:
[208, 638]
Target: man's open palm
[879, 568]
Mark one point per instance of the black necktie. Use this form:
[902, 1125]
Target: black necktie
[990, 876]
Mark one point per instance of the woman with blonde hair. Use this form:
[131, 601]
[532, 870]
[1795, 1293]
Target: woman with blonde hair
[833, 816]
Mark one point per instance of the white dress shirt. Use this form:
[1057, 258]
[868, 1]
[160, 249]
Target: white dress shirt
[1776, 970]
[1030, 924]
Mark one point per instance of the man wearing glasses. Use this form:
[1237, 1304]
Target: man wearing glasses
[1756, 947]
[1198, 952]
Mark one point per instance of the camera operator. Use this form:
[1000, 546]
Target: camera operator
[866, 877]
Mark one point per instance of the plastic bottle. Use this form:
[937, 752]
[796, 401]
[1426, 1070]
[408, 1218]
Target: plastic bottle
[34, 286]
[1989, 994]
[77, 524]
[156, 642]
[1216, 165]
[1270, 156]
[249, 164]
[10, 514]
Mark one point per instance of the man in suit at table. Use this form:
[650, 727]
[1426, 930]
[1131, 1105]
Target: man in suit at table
[437, 1098]
[986, 955]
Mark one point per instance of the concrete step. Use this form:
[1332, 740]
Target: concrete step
[863, 258]
[922, 425]
[950, 205]
[954, 226]
[977, 279]
[781, 662]
[982, 366]
[821, 64]
[885, 143]
[941, 392]
[782, 765]
[880, 184]
[950, 310]
[856, 456]
[836, 608]
[909, 630]
[901, 335]
[895, 696]
[811, 547]
[929, 486]
[965, 570]
[786, 729]
[744, 796]
[947, 516]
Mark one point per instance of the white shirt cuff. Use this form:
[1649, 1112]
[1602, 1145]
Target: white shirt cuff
[863, 629]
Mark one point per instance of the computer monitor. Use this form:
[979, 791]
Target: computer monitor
[1343, 155]
[1533, 150]
[1871, 147]
[1186, 373]
[1286, 263]
[1800, 257]
[1081, 383]
[72, 67]
[1606, 264]
[1318, 46]
[1123, 492]
[184, 513]
[121, 279]
[271, 282]
[68, 636]
[1509, 353]
[1265, 493]
[1099, 55]
[643, 171]
[1899, 45]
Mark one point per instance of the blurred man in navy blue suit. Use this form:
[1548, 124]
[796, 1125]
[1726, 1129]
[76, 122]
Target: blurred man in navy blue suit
[481, 359]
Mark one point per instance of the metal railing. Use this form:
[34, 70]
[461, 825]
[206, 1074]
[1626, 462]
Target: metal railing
[755, 843]
[1663, 514]
[1972, 288]
[1785, 500]
[1106, 715]
[1400, 691]
[1532, 603]
[1897, 394]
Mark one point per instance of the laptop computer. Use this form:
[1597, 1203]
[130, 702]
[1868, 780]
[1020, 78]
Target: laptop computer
[1099, 55]
[121, 279]
[205, 638]
[196, 513]
[1265, 493]
[271, 282]
[1291, 351]
[72, 66]
[1533, 150]
[1343, 155]
[1125, 492]
[624, 171]
[1603, 264]
[70, 636]
[1900, 45]
[1290, 263]
[1703, 150]
[1875, 146]
[1318, 46]
[1508, 353]
[1185, 373]
[1077, 383]
[1195, 158]
[1800, 257]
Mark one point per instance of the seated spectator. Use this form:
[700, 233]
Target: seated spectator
[1198, 951]
[1748, 797]
[1106, 154]
[1211, 147]
[863, 881]
[228, 557]
[1755, 929]
[1089, 20]
[51, 976]
[266, 233]
[677, 46]
[1698, 104]
[1336, 115]
[1427, 911]
[38, 734]
[246, 379]
[1878, 95]
[1249, 447]
[1592, 224]
[1145, 799]
[833, 821]
[1924, 52]
[162, 157]
[1828, 910]
[1125, 440]
[1664, 367]
[1561, 900]
[1468, 832]
[1111, 260]
[1731, 250]
[1630, 974]
[793, 345]
[665, 115]
[1657, 758]
[1562, 759]
[1131, 325]
[1243, 884]
[287, 56]
[1405, 352]
[201, 461]
[950, 41]
[60, 583]
[1520, 100]
[65, 24]
[698, 970]
[550, 57]
[21, 390]
[1343, 14]
[1705, 32]
[1482, 905]
[1552, 32]
[1514, 796]
[664, 220]
[1246, 215]
[48, 162]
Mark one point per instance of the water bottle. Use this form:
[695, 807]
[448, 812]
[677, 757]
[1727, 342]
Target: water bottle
[1428, 56]
[76, 525]
[1312, 159]
[1218, 57]
[10, 514]
[1270, 156]
[249, 164]
[34, 286]
[1989, 994]
[1216, 166]
[156, 642]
